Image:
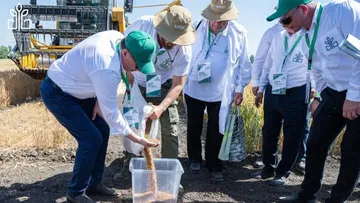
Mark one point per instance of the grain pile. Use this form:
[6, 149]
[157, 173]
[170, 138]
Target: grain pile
[15, 86]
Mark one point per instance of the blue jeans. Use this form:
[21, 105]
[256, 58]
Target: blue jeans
[92, 136]
[302, 150]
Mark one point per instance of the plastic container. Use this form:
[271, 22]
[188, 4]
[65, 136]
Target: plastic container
[168, 175]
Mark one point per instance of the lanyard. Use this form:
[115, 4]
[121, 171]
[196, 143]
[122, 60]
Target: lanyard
[213, 42]
[172, 59]
[123, 77]
[312, 45]
[286, 46]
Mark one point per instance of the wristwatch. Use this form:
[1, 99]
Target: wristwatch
[317, 99]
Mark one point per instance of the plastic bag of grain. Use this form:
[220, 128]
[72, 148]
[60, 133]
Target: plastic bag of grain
[136, 111]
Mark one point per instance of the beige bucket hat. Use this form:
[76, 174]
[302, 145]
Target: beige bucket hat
[175, 25]
[221, 10]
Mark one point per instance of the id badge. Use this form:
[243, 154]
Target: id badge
[153, 85]
[279, 85]
[131, 114]
[204, 73]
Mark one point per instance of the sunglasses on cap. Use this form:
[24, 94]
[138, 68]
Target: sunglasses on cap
[288, 19]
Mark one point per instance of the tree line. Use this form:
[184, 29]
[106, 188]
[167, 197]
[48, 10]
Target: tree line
[4, 51]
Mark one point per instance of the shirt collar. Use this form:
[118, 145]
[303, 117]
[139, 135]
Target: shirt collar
[313, 23]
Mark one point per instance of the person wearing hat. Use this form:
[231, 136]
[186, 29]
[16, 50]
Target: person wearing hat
[220, 70]
[283, 79]
[337, 77]
[80, 90]
[173, 32]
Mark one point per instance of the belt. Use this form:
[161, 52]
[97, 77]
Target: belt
[47, 79]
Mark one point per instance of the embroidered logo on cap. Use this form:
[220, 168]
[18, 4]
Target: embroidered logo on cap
[180, 27]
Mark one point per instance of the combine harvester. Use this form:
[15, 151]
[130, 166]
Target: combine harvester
[37, 47]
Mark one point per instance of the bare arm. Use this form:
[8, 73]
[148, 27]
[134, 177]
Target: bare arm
[174, 92]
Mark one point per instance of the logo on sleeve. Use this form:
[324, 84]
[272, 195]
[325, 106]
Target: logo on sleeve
[331, 43]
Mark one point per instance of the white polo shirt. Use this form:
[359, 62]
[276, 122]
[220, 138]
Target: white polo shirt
[262, 52]
[181, 55]
[92, 69]
[332, 67]
[295, 66]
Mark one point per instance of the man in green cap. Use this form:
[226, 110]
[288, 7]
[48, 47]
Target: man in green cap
[80, 90]
[337, 77]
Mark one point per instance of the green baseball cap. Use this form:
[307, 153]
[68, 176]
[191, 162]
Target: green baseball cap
[285, 6]
[142, 48]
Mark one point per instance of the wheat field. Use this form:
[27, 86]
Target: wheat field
[32, 125]
[15, 86]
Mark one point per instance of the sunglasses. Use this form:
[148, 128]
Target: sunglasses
[288, 19]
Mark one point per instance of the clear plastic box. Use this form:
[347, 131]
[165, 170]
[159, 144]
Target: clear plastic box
[168, 175]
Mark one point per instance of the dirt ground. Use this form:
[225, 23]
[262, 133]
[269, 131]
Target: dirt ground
[42, 176]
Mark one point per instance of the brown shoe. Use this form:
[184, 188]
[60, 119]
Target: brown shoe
[79, 199]
[101, 190]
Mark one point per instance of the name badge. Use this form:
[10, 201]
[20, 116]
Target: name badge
[204, 73]
[279, 85]
[131, 114]
[153, 85]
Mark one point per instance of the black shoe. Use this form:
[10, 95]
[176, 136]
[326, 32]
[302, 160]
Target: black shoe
[300, 167]
[277, 181]
[258, 164]
[101, 190]
[296, 199]
[195, 167]
[263, 174]
[79, 199]
[124, 174]
[216, 177]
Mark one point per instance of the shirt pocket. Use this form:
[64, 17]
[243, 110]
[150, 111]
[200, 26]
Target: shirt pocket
[330, 41]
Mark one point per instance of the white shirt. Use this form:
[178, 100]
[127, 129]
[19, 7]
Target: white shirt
[331, 67]
[296, 63]
[218, 58]
[262, 52]
[92, 69]
[181, 64]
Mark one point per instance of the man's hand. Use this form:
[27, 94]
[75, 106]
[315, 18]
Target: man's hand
[97, 111]
[255, 90]
[258, 99]
[313, 106]
[351, 109]
[156, 112]
[238, 98]
[312, 93]
[140, 140]
[149, 143]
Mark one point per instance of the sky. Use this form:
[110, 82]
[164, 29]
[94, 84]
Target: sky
[252, 15]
